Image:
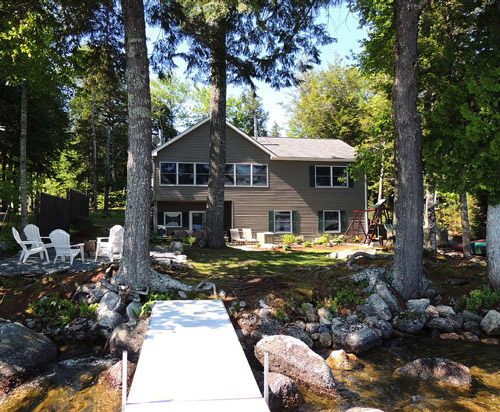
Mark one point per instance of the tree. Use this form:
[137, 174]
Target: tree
[240, 41]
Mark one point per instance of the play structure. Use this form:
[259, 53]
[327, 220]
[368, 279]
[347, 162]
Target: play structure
[378, 216]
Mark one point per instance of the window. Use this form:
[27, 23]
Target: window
[331, 221]
[329, 176]
[202, 173]
[229, 174]
[168, 173]
[259, 175]
[186, 173]
[283, 221]
[243, 175]
[172, 219]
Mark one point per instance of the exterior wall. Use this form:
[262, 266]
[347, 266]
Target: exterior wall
[288, 185]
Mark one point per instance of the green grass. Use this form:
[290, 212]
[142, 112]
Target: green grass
[231, 261]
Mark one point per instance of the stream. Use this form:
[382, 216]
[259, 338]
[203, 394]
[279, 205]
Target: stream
[72, 385]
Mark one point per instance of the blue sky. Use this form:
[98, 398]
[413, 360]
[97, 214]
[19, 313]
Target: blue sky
[342, 24]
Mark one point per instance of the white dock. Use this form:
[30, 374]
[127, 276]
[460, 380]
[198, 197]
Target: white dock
[191, 360]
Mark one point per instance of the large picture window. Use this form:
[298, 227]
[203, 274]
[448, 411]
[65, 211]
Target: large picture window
[331, 176]
[172, 219]
[283, 221]
[331, 221]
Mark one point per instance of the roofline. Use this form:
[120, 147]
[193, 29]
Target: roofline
[314, 159]
[202, 122]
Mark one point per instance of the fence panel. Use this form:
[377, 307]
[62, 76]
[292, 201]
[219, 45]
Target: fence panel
[54, 214]
[79, 205]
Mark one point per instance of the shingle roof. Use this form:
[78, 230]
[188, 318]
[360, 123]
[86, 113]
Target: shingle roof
[299, 148]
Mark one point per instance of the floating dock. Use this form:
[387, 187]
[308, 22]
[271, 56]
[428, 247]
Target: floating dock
[191, 360]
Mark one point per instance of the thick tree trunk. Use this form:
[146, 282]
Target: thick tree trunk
[94, 150]
[409, 192]
[214, 223]
[430, 224]
[107, 168]
[22, 154]
[493, 243]
[464, 217]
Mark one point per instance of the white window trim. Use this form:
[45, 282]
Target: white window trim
[291, 220]
[226, 185]
[340, 222]
[171, 227]
[346, 186]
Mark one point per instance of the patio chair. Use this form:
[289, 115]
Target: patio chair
[106, 242]
[235, 237]
[247, 235]
[32, 232]
[27, 252]
[110, 249]
[60, 240]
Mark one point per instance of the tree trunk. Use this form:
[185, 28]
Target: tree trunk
[409, 192]
[430, 224]
[493, 243]
[94, 150]
[213, 236]
[22, 154]
[107, 168]
[464, 217]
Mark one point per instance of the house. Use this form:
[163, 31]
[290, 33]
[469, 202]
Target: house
[273, 184]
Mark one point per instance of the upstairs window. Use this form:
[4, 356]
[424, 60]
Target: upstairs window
[246, 174]
[202, 170]
[168, 173]
[330, 176]
[243, 175]
[186, 173]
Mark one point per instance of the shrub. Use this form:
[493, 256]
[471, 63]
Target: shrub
[299, 240]
[483, 298]
[288, 239]
[59, 312]
[337, 240]
[148, 306]
[345, 297]
[325, 239]
[155, 239]
[280, 315]
[258, 245]
[307, 244]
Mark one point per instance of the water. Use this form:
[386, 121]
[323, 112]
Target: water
[73, 385]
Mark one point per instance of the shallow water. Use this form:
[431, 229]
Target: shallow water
[376, 386]
[73, 385]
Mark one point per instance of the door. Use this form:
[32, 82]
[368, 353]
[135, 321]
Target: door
[196, 220]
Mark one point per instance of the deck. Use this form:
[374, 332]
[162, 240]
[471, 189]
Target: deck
[191, 360]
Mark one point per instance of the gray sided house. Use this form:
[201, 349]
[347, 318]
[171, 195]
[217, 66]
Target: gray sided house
[273, 184]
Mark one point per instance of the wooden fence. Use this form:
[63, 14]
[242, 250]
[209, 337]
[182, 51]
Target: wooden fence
[58, 213]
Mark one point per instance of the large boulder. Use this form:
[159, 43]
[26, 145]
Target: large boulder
[268, 327]
[437, 369]
[176, 247]
[113, 375]
[128, 338]
[441, 324]
[375, 306]
[384, 291]
[418, 305]
[341, 360]
[362, 340]
[491, 323]
[283, 391]
[23, 352]
[293, 358]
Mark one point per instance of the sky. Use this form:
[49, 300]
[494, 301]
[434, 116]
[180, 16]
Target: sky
[342, 25]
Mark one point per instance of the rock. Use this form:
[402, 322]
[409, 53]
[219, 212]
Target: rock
[341, 360]
[442, 236]
[410, 324]
[265, 313]
[23, 352]
[114, 374]
[441, 324]
[312, 328]
[268, 327]
[382, 327]
[490, 341]
[107, 304]
[438, 369]
[471, 337]
[491, 323]
[471, 326]
[312, 317]
[283, 392]
[222, 294]
[129, 339]
[418, 305]
[300, 324]
[176, 247]
[357, 409]
[325, 339]
[468, 315]
[30, 323]
[249, 321]
[325, 316]
[352, 319]
[376, 306]
[299, 333]
[431, 311]
[133, 311]
[362, 340]
[445, 311]
[81, 330]
[347, 253]
[293, 358]
[315, 336]
[109, 321]
[383, 290]
[450, 336]
[182, 294]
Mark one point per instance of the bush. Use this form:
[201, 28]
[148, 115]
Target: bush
[288, 239]
[155, 239]
[345, 297]
[483, 298]
[307, 244]
[59, 312]
[280, 315]
[337, 240]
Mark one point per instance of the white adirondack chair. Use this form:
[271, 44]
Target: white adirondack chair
[235, 237]
[32, 232]
[247, 235]
[60, 240]
[116, 248]
[108, 242]
[27, 252]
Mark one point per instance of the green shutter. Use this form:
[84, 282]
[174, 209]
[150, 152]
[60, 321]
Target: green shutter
[320, 221]
[343, 221]
[295, 221]
[271, 220]
[161, 218]
[185, 220]
[312, 176]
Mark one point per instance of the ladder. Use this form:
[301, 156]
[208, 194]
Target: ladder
[5, 218]
[356, 225]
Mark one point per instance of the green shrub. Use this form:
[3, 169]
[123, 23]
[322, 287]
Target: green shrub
[258, 244]
[288, 239]
[155, 239]
[337, 240]
[344, 297]
[325, 239]
[483, 298]
[148, 306]
[191, 240]
[59, 312]
[299, 240]
[307, 244]
[280, 315]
